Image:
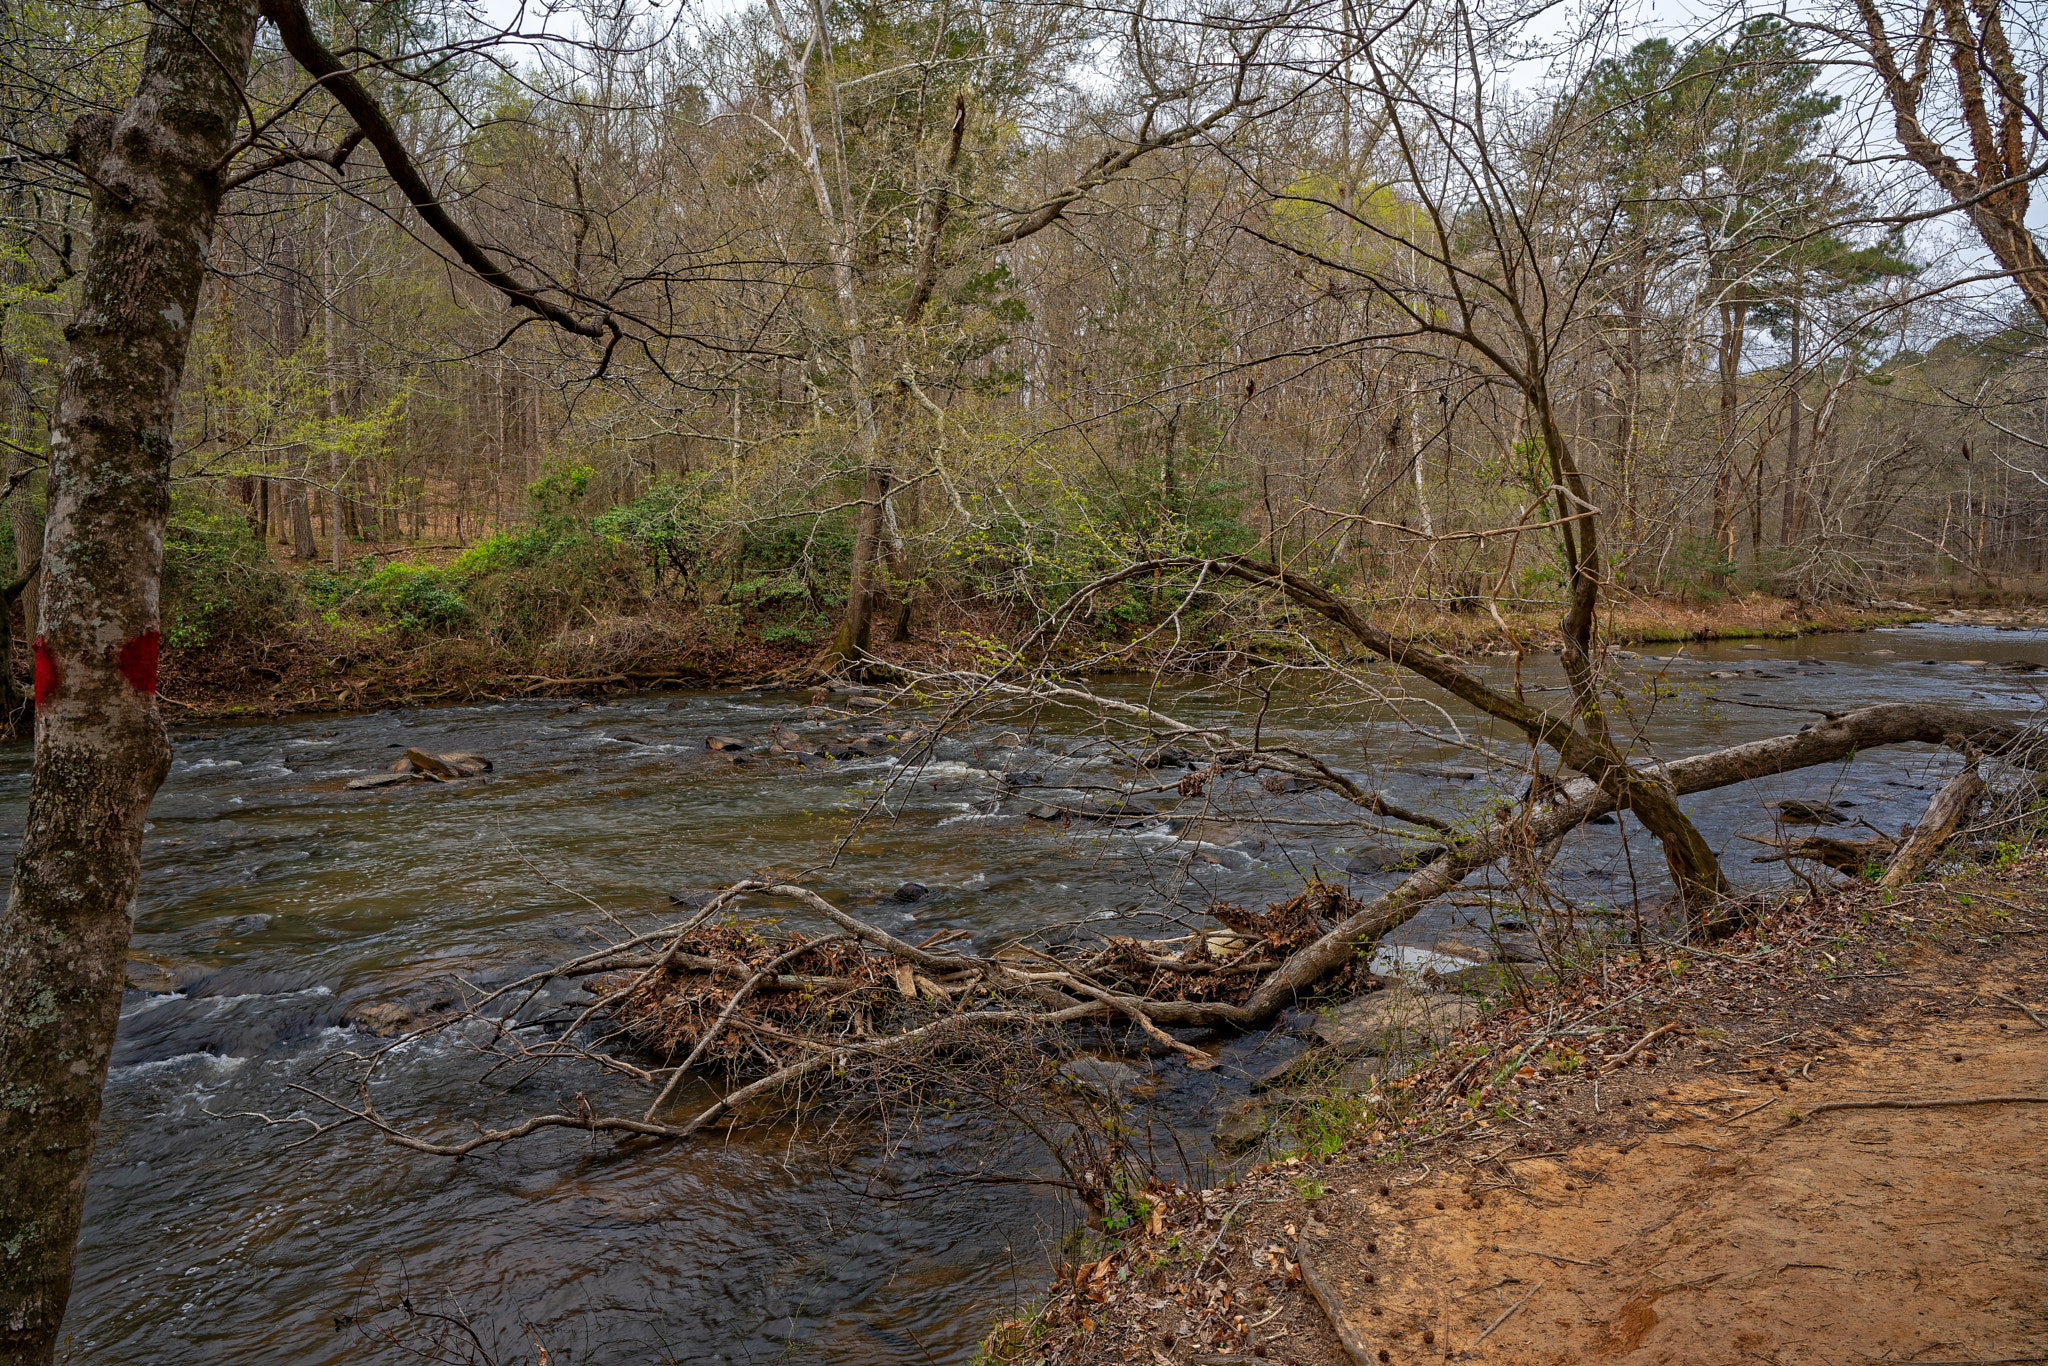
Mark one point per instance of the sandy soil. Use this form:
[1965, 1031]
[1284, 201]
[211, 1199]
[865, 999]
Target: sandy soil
[1853, 1234]
[1776, 1176]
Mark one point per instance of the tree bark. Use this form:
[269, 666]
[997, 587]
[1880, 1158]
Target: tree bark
[1994, 192]
[1734, 318]
[100, 745]
[1950, 807]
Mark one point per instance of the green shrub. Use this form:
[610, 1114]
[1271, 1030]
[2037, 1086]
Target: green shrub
[670, 523]
[218, 586]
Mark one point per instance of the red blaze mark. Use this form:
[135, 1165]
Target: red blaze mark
[46, 672]
[138, 662]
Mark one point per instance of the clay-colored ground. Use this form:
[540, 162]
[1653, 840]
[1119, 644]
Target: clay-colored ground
[1695, 1208]
[1853, 1235]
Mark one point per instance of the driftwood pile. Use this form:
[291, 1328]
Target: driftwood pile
[746, 996]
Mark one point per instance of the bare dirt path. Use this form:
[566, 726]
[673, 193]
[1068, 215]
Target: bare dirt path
[1686, 1199]
[1850, 1235]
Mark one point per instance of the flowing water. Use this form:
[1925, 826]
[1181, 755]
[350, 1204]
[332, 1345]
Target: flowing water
[274, 900]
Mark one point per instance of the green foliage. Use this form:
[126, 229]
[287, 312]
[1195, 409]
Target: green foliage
[671, 523]
[409, 597]
[560, 489]
[218, 586]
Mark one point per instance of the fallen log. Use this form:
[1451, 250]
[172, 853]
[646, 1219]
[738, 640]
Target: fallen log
[1950, 808]
[1854, 857]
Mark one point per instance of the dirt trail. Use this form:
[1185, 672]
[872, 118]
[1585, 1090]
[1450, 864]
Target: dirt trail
[1684, 1199]
[1859, 1234]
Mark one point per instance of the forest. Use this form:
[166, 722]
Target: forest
[784, 330]
[840, 469]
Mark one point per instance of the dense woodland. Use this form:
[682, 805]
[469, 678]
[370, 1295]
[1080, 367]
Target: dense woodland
[971, 302]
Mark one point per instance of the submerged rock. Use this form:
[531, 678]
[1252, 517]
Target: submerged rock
[1115, 1080]
[381, 780]
[724, 743]
[1240, 1127]
[910, 893]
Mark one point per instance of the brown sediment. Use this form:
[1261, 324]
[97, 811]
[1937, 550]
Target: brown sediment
[1831, 1152]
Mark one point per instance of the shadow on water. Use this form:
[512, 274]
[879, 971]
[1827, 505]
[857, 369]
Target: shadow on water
[274, 900]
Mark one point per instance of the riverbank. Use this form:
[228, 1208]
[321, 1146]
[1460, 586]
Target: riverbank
[333, 664]
[1693, 1154]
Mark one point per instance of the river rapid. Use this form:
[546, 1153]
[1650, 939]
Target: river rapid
[274, 901]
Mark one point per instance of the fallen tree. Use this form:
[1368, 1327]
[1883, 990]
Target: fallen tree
[777, 1010]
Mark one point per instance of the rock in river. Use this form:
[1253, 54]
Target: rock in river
[444, 767]
[1395, 1020]
[1115, 1080]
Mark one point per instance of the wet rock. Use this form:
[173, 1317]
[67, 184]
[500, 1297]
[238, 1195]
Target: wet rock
[381, 780]
[692, 900]
[158, 978]
[871, 703]
[1023, 779]
[835, 750]
[1116, 806]
[1114, 1080]
[1044, 813]
[1170, 757]
[910, 893]
[1280, 784]
[1240, 1127]
[1795, 811]
[631, 740]
[382, 1018]
[724, 743]
[446, 767]
[1455, 772]
[1394, 1020]
[1387, 858]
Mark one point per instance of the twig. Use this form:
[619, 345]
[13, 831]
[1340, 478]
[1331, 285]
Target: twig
[2019, 1005]
[1914, 1104]
[1640, 1045]
[1552, 1255]
[1221, 1229]
[1746, 1113]
[1506, 1314]
[1354, 1346]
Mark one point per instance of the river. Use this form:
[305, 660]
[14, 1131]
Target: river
[273, 900]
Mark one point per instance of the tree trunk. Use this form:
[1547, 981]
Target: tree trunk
[1788, 526]
[100, 746]
[1950, 807]
[1734, 317]
[303, 545]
